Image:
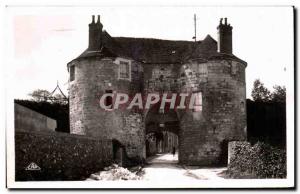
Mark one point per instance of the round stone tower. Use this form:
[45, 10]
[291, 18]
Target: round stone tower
[220, 116]
[103, 70]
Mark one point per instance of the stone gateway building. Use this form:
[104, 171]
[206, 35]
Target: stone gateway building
[140, 65]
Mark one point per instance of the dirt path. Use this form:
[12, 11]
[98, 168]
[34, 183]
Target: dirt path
[164, 167]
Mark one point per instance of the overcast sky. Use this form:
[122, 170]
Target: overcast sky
[40, 42]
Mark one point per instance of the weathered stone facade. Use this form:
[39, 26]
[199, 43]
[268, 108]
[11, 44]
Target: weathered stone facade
[161, 67]
[223, 115]
[93, 78]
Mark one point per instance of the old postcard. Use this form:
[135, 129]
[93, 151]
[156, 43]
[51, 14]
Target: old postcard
[150, 96]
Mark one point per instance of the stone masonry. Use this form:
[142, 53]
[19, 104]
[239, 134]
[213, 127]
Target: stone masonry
[206, 67]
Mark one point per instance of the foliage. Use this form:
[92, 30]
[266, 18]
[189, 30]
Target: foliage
[266, 115]
[260, 92]
[279, 94]
[258, 161]
[39, 95]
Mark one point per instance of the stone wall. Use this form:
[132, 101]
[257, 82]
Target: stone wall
[59, 156]
[161, 77]
[134, 135]
[29, 120]
[204, 134]
[93, 77]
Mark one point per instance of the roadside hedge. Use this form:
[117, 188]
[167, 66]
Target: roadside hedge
[258, 161]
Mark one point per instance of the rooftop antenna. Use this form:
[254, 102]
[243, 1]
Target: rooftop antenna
[195, 26]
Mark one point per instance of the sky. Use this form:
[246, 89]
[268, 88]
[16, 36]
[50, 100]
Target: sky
[40, 42]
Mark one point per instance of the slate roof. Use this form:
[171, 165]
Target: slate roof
[148, 50]
[156, 50]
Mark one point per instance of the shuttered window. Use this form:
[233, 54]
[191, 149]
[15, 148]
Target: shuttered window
[124, 70]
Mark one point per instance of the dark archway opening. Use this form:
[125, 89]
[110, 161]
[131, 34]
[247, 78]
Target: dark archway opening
[162, 133]
[223, 159]
[161, 143]
[118, 152]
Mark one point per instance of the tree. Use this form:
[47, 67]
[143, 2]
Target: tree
[59, 98]
[260, 92]
[279, 94]
[39, 95]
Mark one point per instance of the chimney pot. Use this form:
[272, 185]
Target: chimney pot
[95, 34]
[224, 37]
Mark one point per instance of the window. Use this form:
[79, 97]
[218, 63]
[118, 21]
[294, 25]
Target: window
[203, 70]
[198, 102]
[124, 70]
[108, 100]
[72, 73]
[234, 68]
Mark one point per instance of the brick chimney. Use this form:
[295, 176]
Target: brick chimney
[95, 34]
[224, 37]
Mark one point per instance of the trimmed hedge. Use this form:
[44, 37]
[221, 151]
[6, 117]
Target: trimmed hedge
[60, 156]
[258, 161]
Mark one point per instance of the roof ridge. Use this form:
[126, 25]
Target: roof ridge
[153, 50]
[159, 39]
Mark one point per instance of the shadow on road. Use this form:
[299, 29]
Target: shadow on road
[163, 167]
[163, 159]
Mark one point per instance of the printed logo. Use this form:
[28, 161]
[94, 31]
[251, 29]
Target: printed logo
[114, 100]
[32, 166]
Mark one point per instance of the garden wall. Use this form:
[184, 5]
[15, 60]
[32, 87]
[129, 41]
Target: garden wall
[29, 120]
[56, 111]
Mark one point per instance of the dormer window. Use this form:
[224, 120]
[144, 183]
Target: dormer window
[124, 70]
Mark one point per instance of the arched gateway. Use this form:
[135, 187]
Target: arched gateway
[162, 130]
[138, 67]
